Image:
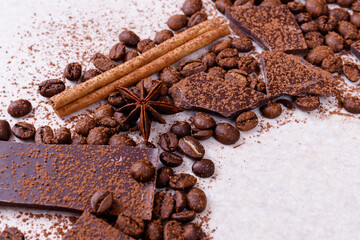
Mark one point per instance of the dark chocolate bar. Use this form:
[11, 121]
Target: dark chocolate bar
[355, 49]
[64, 177]
[272, 27]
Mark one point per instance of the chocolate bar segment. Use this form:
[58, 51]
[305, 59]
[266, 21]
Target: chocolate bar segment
[212, 94]
[64, 177]
[89, 227]
[355, 49]
[272, 27]
[292, 75]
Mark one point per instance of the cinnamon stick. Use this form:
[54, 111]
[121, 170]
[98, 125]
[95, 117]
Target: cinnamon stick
[146, 70]
[113, 74]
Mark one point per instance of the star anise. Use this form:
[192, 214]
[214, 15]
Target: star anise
[146, 107]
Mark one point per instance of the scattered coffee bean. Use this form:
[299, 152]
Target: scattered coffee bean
[72, 71]
[245, 3]
[78, 139]
[191, 147]
[307, 102]
[168, 142]
[12, 233]
[129, 38]
[204, 168]
[217, 71]
[191, 66]
[347, 30]
[170, 75]
[356, 6]
[173, 230]
[296, 7]
[130, 55]
[340, 14]
[271, 110]
[5, 130]
[226, 133]
[163, 177]
[102, 62]
[115, 99]
[303, 18]
[192, 232]
[270, 3]
[196, 200]
[142, 170]
[103, 111]
[239, 76]
[101, 202]
[23, 130]
[197, 18]
[181, 129]
[163, 205]
[98, 136]
[19, 108]
[318, 54]
[201, 134]
[177, 22]
[191, 6]
[84, 125]
[228, 58]
[89, 74]
[209, 59]
[248, 64]
[62, 136]
[242, 43]
[171, 159]
[121, 140]
[162, 36]
[186, 216]
[131, 225]
[352, 104]
[203, 121]
[332, 63]
[316, 7]
[345, 3]
[246, 121]
[334, 41]
[287, 103]
[145, 45]
[309, 27]
[180, 201]
[51, 87]
[355, 19]
[44, 135]
[154, 230]
[117, 52]
[221, 45]
[109, 122]
[120, 118]
[182, 181]
[313, 39]
[351, 71]
[326, 24]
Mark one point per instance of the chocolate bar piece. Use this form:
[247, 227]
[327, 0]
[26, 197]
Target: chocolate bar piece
[64, 177]
[209, 93]
[90, 227]
[272, 27]
[292, 75]
[355, 49]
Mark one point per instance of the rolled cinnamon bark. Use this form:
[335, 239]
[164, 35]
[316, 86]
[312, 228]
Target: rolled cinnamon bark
[113, 74]
[147, 70]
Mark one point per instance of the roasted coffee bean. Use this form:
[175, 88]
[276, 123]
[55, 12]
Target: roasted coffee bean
[307, 102]
[168, 142]
[150, 83]
[142, 170]
[203, 121]
[102, 62]
[204, 168]
[44, 135]
[191, 6]
[351, 104]
[51, 87]
[242, 43]
[191, 66]
[309, 27]
[177, 22]
[182, 181]
[101, 202]
[303, 18]
[209, 59]
[197, 18]
[228, 58]
[163, 177]
[162, 36]
[192, 232]
[173, 230]
[23, 130]
[145, 45]
[313, 39]
[191, 147]
[296, 7]
[115, 99]
[186, 216]
[89, 74]
[130, 55]
[120, 118]
[5, 130]
[196, 200]
[356, 6]
[109, 122]
[318, 54]
[72, 71]
[332, 63]
[146, 145]
[347, 30]
[217, 71]
[78, 139]
[316, 7]
[271, 110]
[121, 140]
[201, 134]
[154, 230]
[334, 41]
[98, 136]
[84, 125]
[221, 5]
[131, 225]
[163, 205]
[270, 3]
[345, 3]
[170, 75]
[171, 159]
[180, 201]
[19, 108]
[62, 136]
[129, 38]
[340, 14]
[219, 46]
[248, 64]
[226, 133]
[181, 129]
[351, 71]
[246, 121]
[326, 24]
[355, 19]
[244, 3]
[103, 111]
[238, 76]
[117, 52]
[12, 233]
